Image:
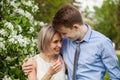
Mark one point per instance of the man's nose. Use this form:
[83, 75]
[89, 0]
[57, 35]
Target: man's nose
[63, 36]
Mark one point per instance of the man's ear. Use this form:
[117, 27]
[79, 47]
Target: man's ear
[75, 26]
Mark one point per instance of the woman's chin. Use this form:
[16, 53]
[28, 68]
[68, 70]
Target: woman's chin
[57, 53]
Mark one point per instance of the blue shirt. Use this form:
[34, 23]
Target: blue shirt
[96, 56]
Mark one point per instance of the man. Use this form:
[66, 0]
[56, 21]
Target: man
[96, 55]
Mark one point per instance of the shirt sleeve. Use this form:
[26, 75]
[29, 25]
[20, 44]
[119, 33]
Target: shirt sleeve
[110, 60]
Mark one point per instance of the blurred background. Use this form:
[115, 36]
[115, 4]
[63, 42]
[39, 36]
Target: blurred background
[20, 21]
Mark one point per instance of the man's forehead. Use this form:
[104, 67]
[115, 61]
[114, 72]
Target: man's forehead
[60, 31]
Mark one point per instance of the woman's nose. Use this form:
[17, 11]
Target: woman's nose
[60, 44]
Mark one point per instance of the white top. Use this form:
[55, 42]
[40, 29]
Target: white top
[43, 66]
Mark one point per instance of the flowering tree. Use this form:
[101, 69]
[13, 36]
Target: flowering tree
[19, 26]
[18, 30]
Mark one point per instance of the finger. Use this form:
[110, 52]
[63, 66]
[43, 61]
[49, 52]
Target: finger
[25, 60]
[61, 61]
[27, 71]
[58, 68]
[27, 68]
[57, 64]
[26, 65]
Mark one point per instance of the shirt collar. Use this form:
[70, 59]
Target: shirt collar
[88, 34]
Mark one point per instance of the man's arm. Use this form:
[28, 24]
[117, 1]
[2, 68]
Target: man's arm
[30, 70]
[33, 73]
[27, 67]
[110, 61]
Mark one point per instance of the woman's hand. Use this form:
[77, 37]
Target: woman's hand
[55, 67]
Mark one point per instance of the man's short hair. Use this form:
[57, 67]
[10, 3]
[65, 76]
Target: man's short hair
[67, 16]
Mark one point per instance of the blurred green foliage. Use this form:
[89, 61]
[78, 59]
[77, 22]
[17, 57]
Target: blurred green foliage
[48, 8]
[106, 19]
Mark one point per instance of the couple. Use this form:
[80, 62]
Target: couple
[96, 55]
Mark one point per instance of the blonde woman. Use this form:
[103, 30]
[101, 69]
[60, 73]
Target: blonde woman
[48, 64]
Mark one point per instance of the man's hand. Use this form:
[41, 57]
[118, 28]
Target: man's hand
[27, 66]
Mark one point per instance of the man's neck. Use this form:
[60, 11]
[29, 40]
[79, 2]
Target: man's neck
[83, 31]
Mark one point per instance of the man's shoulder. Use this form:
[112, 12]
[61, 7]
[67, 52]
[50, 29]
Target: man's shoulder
[65, 43]
[100, 37]
[65, 40]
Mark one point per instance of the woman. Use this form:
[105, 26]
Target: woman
[48, 64]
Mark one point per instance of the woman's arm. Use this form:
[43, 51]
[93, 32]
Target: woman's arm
[54, 68]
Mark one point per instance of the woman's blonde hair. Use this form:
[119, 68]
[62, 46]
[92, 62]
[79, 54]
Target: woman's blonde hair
[44, 37]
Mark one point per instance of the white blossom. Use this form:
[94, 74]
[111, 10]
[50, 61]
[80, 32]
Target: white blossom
[12, 40]
[20, 11]
[12, 67]
[12, 2]
[15, 5]
[31, 29]
[13, 37]
[35, 8]
[1, 39]
[25, 51]
[35, 23]
[8, 58]
[30, 4]
[24, 13]
[27, 3]
[19, 39]
[1, 3]
[9, 25]
[6, 78]
[3, 32]
[19, 28]
[31, 49]
[34, 41]
[28, 15]
[14, 33]
[2, 46]
[41, 23]
[24, 42]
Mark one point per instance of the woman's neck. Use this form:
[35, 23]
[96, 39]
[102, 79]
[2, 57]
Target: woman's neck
[48, 58]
